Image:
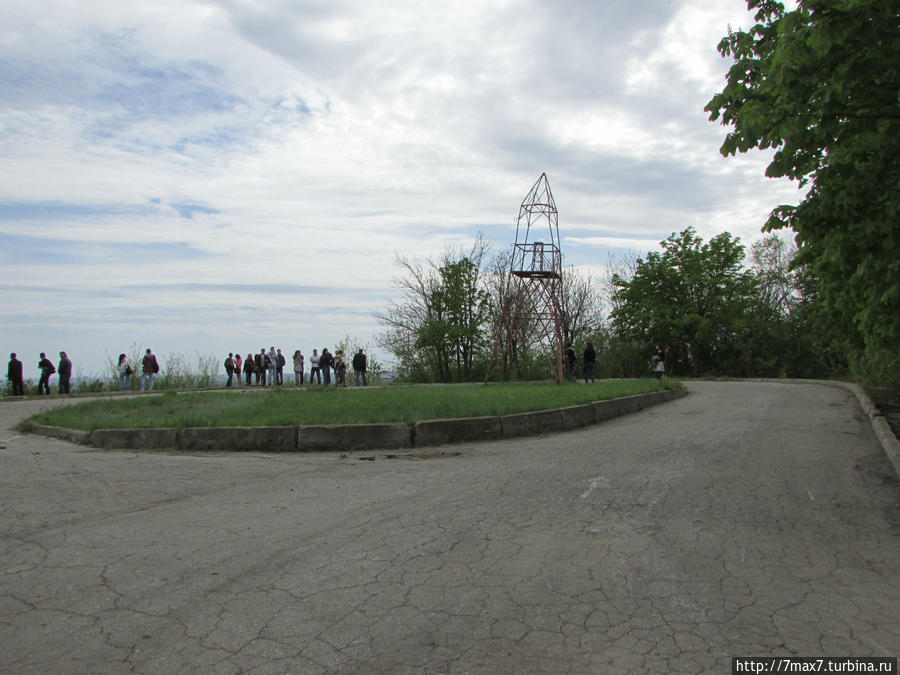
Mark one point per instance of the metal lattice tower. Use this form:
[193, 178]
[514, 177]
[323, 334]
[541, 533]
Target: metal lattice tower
[532, 306]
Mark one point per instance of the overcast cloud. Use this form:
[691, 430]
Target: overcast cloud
[227, 175]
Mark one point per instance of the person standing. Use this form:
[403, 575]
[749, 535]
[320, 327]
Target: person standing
[47, 370]
[248, 369]
[123, 368]
[65, 373]
[238, 364]
[280, 363]
[299, 362]
[589, 358]
[272, 366]
[659, 363]
[340, 369]
[570, 362]
[259, 366]
[325, 362]
[14, 375]
[149, 369]
[229, 369]
[359, 367]
[314, 371]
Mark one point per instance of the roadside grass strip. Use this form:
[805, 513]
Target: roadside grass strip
[329, 406]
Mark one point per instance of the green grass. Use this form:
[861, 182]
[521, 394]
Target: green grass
[332, 406]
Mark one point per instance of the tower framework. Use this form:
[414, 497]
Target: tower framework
[532, 306]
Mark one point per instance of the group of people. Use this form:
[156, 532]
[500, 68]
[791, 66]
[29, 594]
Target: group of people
[589, 359]
[45, 365]
[267, 367]
[149, 371]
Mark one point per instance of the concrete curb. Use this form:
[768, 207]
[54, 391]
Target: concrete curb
[880, 426]
[353, 436]
[134, 439]
[363, 436]
[531, 423]
[441, 432]
[62, 433]
[239, 439]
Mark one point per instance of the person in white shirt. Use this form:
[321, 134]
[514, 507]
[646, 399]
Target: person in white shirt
[314, 371]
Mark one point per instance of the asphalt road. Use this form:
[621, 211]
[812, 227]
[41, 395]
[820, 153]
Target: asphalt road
[744, 519]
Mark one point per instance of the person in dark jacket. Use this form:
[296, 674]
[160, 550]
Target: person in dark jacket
[47, 369]
[359, 367]
[325, 363]
[149, 369]
[570, 362]
[229, 368]
[259, 366]
[589, 358]
[280, 362]
[248, 369]
[65, 373]
[14, 375]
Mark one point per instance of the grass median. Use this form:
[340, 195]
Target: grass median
[316, 405]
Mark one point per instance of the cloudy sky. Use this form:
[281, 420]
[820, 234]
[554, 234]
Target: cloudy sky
[225, 175]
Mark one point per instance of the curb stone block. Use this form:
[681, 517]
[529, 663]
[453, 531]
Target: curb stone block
[531, 423]
[439, 432]
[134, 439]
[353, 436]
[246, 439]
[606, 410]
[62, 433]
[577, 416]
[630, 404]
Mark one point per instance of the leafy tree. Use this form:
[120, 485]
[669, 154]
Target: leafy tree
[454, 332]
[694, 298]
[438, 330]
[821, 85]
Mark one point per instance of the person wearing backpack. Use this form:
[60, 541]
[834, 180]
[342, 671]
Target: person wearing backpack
[123, 368]
[47, 369]
[149, 369]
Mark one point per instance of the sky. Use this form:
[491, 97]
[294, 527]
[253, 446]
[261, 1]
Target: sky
[225, 175]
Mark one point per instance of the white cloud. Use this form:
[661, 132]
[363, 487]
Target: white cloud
[187, 150]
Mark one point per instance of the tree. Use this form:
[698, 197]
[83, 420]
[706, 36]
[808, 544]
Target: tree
[454, 332]
[820, 85]
[771, 259]
[437, 332]
[581, 304]
[694, 298]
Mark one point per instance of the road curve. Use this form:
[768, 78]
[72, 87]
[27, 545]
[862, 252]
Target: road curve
[744, 519]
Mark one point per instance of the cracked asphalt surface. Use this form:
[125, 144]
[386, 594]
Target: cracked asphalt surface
[744, 519]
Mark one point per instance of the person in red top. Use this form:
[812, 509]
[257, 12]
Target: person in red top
[149, 369]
